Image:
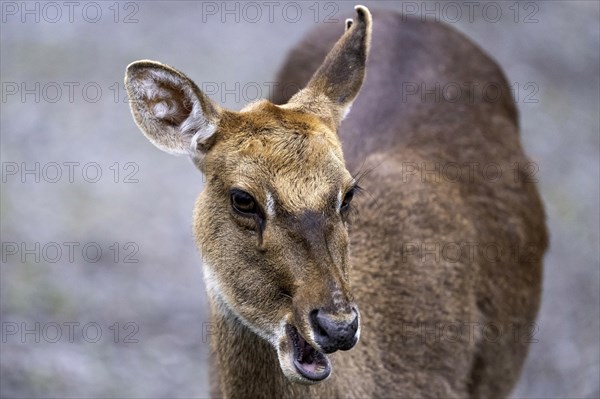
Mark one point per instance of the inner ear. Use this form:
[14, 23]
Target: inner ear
[166, 100]
[170, 109]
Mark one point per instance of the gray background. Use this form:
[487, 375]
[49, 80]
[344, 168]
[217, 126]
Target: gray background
[555, 50]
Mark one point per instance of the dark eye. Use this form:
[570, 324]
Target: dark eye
[347, 199]
[243, 202]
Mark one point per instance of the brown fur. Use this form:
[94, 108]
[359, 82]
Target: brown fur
[259, 275]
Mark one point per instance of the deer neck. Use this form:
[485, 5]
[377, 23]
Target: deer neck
[246, 364]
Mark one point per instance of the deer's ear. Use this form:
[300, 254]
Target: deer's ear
[334, 86]
[170, 109]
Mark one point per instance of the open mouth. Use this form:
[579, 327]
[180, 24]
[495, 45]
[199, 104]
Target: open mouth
[309, 362]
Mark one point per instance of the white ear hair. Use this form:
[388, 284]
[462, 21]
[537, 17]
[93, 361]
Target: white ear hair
[348, 23]
[170, 109]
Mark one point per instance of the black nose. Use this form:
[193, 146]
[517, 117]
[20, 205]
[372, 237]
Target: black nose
[334, 333]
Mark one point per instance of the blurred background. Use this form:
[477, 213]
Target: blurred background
[101, 285]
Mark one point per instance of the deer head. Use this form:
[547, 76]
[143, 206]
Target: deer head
[272, 220]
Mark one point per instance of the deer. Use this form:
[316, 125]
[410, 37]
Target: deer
[318, 234]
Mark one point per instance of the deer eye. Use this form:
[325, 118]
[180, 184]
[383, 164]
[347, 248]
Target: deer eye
[347, 199]
[243, 202]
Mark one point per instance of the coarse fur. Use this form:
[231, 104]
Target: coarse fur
[439, 315]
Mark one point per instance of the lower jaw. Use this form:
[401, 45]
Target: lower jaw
[308, 371]
[312, 378]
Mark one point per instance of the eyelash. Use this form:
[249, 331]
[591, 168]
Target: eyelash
[350, 211]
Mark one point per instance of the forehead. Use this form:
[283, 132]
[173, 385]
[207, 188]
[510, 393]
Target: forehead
[291, 157]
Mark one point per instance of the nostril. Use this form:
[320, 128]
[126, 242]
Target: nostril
[332, 334]
[316, 320]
